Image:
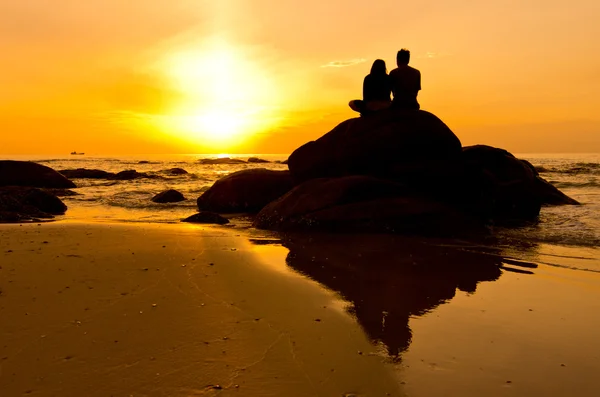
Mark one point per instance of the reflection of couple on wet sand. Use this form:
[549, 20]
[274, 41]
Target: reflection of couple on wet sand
[404, 83]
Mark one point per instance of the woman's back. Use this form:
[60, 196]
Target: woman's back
[377, 87]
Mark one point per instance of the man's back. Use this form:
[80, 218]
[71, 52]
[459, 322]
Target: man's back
[406, 83]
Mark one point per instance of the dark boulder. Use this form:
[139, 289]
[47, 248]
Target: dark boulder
[206, 217]
[168, 196]
[376, 145]
[245, 191]
[362, 204]
[84, 173]
[25, 173]
[257, 160]
[22, 203]
[511, 188]
[550, 195]
[222, 160]
[15, 217]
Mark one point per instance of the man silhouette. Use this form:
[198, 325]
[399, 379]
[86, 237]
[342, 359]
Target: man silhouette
[406, 82]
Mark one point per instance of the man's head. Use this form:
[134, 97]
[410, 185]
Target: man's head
[403, 57]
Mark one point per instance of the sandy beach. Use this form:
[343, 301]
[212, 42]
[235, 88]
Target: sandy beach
[92, 309]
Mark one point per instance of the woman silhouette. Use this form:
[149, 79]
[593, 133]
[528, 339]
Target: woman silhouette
[377, 89]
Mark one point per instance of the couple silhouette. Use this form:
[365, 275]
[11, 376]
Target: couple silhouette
[404, 83]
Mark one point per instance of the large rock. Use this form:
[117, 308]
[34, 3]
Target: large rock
[245, 191]
[376, 145]
[362, 204]
[168, 196]
[25, 173]
[19, 203]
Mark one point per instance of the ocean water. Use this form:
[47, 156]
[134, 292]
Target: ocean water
[565, 236]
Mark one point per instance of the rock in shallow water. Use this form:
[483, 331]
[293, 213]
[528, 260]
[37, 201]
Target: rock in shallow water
[23, 203]
[245, 191]
[168, 196]
[206, 217]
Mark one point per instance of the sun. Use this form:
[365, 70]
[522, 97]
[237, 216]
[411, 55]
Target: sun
[227, 95]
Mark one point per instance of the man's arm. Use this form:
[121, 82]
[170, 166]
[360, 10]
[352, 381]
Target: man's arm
[392, 82]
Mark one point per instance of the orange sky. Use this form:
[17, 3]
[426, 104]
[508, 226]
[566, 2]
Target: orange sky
[265, 76]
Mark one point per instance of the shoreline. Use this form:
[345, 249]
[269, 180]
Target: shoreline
[97, 308]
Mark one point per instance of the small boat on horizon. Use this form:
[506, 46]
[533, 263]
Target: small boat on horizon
[78, 154]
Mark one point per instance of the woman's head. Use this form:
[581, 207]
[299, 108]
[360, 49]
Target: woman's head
[378, 67]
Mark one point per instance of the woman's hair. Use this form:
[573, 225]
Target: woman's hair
[379, 67]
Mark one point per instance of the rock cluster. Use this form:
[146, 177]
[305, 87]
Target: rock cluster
[28, 191]
[393, 171]
[20, 204]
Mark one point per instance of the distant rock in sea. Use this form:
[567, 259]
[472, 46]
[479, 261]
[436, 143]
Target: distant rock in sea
[175, 171]
[222, 160]
[257, 160]
[84, 173]
[25, 173]
[128, 175]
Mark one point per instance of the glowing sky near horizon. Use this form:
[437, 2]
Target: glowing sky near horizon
[264, 76]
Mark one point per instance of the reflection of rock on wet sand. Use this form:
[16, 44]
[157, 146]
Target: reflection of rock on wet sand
[389, 278]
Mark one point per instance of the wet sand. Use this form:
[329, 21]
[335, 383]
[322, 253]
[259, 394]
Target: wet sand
[181, 310]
